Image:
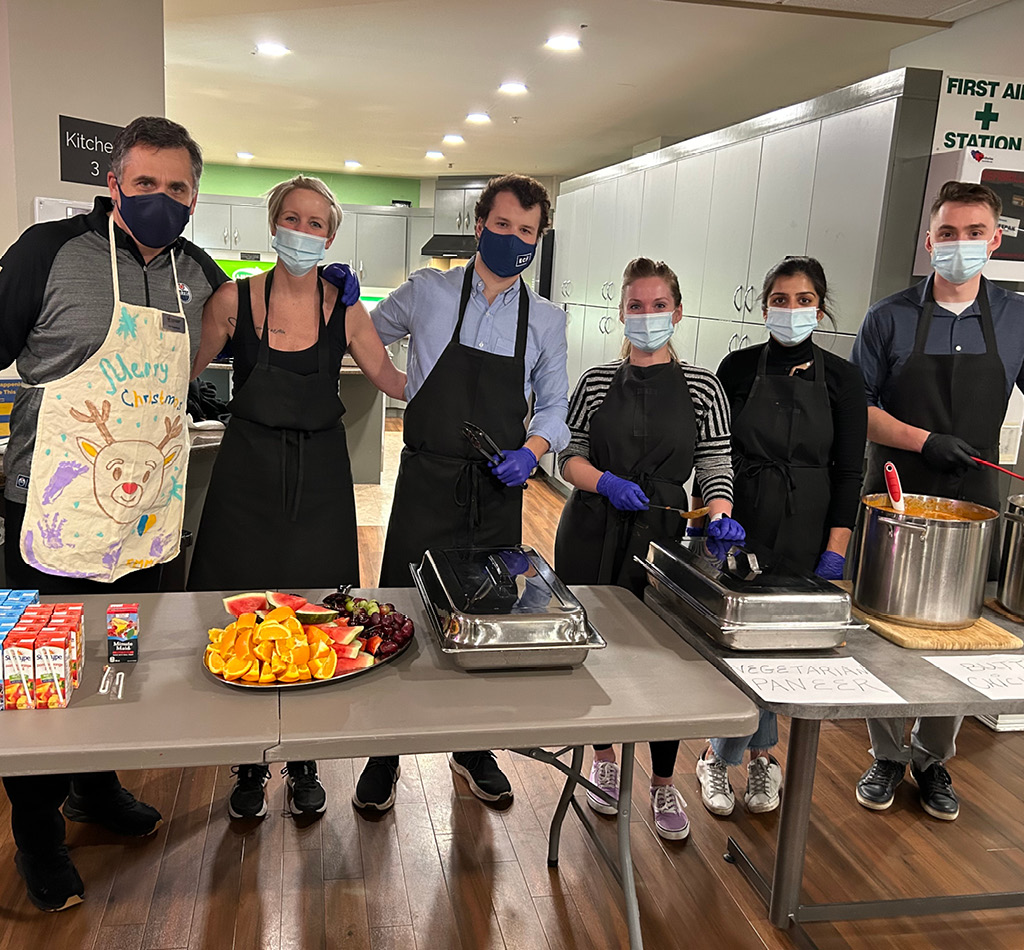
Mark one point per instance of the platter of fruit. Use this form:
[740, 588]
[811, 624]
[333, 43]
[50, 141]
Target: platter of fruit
[281, 641]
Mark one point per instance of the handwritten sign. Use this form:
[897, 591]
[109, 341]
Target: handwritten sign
[820, 682]
[997, 675]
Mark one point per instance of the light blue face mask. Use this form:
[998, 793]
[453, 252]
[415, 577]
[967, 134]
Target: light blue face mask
[298, 251]
[959, 261]
[649, 331]
[790, 327]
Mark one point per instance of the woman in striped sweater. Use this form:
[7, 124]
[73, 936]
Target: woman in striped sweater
[640, 427]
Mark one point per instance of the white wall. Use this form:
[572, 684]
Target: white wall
[989, 43]
[102, 60]
[8, 203]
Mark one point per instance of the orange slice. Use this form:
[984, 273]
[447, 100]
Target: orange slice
[300, 654]
[290, 675]
[243, 645]
[278, 614]
[292, 623]
[277, 665]
[235, 668]
[314, 666]
[304, 672]
[272, 631]
[225, 644]
[216, 633]
[322, 651]
[264, 650]
[253, 673]
[327, 666]
[267, 674]
[215, 663]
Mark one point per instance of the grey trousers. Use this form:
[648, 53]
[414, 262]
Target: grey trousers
[933, 739]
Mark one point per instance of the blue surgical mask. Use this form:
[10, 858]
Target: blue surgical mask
[155, 220]
[959, 261]
[298, 251]
[505, 254]
[649, 331]
[790, 327]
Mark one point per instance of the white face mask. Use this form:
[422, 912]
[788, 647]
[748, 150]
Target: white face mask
[790, 327]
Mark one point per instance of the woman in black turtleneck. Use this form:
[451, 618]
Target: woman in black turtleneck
[799, 425]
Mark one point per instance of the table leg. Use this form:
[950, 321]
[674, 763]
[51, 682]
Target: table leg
[636, 940]
[788, 876]
[568, 789]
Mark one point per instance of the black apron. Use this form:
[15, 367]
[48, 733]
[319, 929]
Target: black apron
[645, 430]
[782, 448]
[961, 394]
[280, 512]
[446, 496]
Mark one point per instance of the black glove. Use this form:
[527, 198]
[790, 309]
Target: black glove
[947, 453]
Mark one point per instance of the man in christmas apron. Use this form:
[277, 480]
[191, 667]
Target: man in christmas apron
[939, 362]
[99, 448]
[480, 341]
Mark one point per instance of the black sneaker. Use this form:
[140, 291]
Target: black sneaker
[376, 786]
[248, 799]
[52, 884]
[120, 812]
[936, 789]
[877, 786]
[480, 770]
[308, 796]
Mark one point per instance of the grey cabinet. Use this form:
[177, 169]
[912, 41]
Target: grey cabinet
[691, 211]
[656, 213]
[573, 217]
[454, 210]
[374, 246]
[615, 236]
[716, 338]
[218, 226]
[211, 226]
[574, 320]
[250, 229]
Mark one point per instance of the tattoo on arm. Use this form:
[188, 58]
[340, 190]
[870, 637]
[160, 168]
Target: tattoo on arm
[277, 330]
[232, 322]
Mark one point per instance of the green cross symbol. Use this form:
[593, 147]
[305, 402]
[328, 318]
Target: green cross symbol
[986, 116]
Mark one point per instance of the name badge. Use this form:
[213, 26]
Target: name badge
[174, 322]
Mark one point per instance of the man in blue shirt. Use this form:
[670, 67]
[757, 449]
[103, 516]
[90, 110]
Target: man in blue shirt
[939, 362]
[480, 342]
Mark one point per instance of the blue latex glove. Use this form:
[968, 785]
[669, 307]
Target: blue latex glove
[347, 283]
[695, 532]
[515, 468]
[722, 534]
[515, 562]
[622, 493]
[830, 566]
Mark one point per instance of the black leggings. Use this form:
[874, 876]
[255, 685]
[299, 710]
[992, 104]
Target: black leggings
[663, 756]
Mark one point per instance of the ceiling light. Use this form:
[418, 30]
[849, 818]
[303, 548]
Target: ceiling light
[433, 154]
[272, 49]
[512, 88]
[245, 156]
[478, 117]
[562, 42]
[453, 139]
[352, 163]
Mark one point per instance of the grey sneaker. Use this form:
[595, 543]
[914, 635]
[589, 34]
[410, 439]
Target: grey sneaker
[764, 781]
[670, 820]
[715, 790]
[605, 775]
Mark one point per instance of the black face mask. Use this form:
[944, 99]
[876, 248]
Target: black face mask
[155, 220]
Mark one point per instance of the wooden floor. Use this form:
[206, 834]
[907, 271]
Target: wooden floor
[442, 871]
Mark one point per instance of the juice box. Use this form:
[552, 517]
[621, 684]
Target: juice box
[72, 615]
[53, 671]
[23, 597]
[3, 637]
[123, 633]
[19, 671]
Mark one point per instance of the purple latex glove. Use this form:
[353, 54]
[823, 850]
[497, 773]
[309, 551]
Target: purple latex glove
[722, 534]
[695, 532]
[347, 283]
[622, 493]
[516, 466]
[515, 561]
[830, 566]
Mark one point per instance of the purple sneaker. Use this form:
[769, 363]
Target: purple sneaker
[605, 775]
[669, 818]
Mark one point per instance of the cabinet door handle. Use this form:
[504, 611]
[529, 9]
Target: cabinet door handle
[360, 270]
[227, 242]
[748, 299]
[744, 340]
[458, 221]
[235, 235]
[736, 299]
[568, 286]
[735, 336]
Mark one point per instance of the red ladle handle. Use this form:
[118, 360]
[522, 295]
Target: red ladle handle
[998, 468]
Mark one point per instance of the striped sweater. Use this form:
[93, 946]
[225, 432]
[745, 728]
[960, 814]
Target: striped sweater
[712, 452]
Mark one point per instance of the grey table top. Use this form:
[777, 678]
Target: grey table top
[645, 685]
[928, 691]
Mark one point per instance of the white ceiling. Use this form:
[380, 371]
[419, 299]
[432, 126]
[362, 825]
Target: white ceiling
[381, 81]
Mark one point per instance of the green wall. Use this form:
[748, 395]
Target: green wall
[350, 188]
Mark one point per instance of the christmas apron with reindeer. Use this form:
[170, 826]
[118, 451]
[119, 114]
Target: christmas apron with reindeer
[106, 492]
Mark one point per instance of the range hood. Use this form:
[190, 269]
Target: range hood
[462, 246]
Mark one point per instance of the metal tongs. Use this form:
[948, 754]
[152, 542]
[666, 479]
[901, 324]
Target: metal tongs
[483, 443]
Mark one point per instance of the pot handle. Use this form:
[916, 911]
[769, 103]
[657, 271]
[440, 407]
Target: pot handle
[918, 528]
[1013, 516]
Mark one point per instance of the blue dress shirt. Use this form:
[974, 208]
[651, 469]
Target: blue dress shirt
[886, 337]
[426, 309]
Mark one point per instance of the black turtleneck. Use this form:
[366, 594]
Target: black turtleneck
[845, 386]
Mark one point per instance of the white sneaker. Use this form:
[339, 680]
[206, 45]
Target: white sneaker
[715, 790]
[764, 780]
[605, 775]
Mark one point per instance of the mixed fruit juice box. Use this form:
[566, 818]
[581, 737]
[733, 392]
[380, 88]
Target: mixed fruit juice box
[19, 670]
[72, 616]
[123, 633]
[53, 668]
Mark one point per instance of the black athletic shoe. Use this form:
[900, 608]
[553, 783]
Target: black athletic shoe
[52, 884]
[120, 812]
[308, 796]
[376, 786]
[480, 770]
[937, 795]
[877, 786]
[248, 798]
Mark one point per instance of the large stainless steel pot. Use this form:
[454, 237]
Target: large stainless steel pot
[1011, 570]
[921, 571]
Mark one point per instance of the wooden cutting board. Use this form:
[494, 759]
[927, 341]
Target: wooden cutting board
[981, 635]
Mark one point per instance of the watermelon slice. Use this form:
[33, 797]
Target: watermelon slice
[315, 614]
[346, 651]
[359, 662]
[245, 603]
[340, 634]
[277, 599]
